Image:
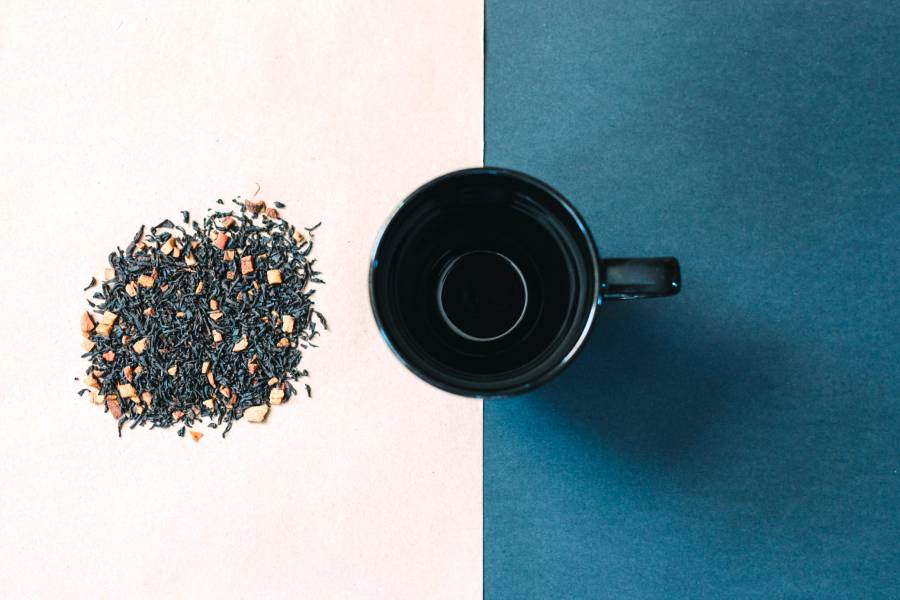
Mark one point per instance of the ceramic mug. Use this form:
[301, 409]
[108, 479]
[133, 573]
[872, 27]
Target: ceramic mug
[485, 282]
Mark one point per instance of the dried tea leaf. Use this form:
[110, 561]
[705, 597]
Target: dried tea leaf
[154, 348]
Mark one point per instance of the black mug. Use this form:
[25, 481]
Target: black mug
[485, 282]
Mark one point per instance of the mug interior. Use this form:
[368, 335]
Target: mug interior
[485, 211]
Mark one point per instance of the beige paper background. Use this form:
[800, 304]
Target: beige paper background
[118, 113]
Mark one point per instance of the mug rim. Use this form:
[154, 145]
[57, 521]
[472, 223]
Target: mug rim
[594, 265]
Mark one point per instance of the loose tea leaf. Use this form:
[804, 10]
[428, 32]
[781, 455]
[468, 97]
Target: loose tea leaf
[202, 321]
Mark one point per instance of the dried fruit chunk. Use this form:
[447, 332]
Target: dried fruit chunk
[87, 322]
[246, 265]
[168, 246]
[147, 281]
[139, 346]
[115, 408]
[273, 276]
[287, 324]
[256, 414]
[255, 206]
[276, 395]
[196, 435]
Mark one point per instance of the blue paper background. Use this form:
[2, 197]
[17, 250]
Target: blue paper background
[739, 440]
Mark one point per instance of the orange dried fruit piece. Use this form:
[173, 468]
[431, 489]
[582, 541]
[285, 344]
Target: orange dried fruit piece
[168, 246]
[87, 322]
[287, 324]
[241, 344]
[147, 281]
[255, 206]
[115, 409]
[139, 346]
[256, 414]
[246, 265]
[276, 395]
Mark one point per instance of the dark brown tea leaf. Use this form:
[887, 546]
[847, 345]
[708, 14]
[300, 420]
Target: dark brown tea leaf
[203, 322]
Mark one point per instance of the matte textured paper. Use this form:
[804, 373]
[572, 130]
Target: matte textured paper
[739, 440]
[116, 114]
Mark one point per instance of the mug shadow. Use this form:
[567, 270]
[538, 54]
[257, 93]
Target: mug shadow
[650, 383]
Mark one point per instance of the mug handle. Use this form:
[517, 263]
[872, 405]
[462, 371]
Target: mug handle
[636, 278]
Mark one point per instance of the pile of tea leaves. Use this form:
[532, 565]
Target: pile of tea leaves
[202, 322]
